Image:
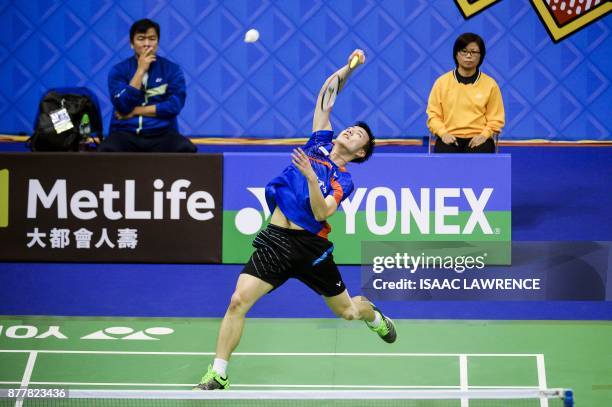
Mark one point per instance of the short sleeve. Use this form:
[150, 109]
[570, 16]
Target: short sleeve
[342, 187]
[319, 137]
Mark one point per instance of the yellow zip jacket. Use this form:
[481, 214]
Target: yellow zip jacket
[465, 110]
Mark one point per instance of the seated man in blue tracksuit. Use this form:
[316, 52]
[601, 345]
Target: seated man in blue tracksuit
[148, 93]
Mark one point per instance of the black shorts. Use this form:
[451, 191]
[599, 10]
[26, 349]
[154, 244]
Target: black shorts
[282, 254]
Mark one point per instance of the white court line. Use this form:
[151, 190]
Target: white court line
[272, 385]
[506, 387]
[463, 378]
[27, 375]
[542, 378]
[102, 352]
[306, 386]
[277, 385]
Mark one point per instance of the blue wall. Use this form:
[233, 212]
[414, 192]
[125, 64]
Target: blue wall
[551, 91]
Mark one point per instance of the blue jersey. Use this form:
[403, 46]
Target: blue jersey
[289, 191]
[165, 88]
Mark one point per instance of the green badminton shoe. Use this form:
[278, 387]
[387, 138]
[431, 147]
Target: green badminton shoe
[212, 381]
[386, 328]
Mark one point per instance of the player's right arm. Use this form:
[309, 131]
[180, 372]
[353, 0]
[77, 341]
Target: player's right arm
[320, 120]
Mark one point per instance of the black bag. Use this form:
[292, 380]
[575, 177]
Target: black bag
[64, 110]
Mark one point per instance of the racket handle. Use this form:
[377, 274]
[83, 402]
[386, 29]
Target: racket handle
[354, 62]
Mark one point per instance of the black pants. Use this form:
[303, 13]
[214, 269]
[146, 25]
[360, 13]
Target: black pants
[168, 141]
[463, 146]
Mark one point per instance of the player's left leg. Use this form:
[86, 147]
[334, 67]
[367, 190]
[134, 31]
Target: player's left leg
[361, 308]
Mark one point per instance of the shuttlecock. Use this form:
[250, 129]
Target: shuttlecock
[251, 36]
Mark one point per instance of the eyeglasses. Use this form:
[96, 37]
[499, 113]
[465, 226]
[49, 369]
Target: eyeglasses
[465, 53]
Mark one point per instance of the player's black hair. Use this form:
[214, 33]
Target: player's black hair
[463, 40]
[142, 26]
[369, 146]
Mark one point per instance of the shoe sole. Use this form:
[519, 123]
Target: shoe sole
[198, 388]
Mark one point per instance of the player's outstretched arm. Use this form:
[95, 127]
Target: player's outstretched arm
[332, 86]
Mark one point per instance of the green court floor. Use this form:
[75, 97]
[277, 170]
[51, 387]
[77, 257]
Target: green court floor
[317, 354]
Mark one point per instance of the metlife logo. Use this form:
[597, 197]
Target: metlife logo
[87, 204]
[132, 208]
[468, 201]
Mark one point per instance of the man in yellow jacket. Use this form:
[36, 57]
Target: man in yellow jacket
[465, 108]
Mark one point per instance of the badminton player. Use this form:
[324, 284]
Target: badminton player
[295, 244]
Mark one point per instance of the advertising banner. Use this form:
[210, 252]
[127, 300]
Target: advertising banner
[162, 208]
[397, 198]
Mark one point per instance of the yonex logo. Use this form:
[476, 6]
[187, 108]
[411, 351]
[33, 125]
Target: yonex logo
[111, 333]
[30, 331]
[322, 186]
[248, 221]
[129, 334]
[418, 209]
[4, 198]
